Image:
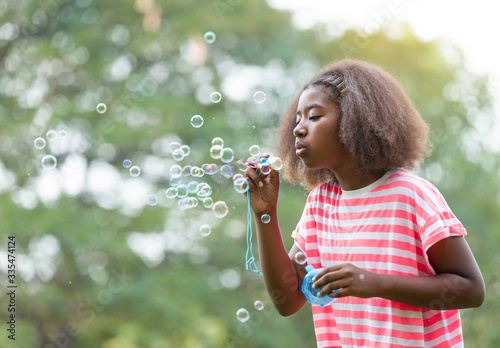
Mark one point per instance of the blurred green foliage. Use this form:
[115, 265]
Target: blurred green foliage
[96, 265]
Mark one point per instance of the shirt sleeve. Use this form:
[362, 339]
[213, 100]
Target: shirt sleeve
[441, 224]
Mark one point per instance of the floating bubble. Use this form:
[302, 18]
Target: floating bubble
[220, 209]
[174, 145]
[208, 202]
[209, 37]
[259, 305]
[175, 180]
[175, 170]
[182, 203]
[196, 121]
[135, 171]
[186, 150]
[178, 155]
[259, 97]
[49, 162]
[203, 190]
[227, 155]
[300, 258]
[254, 150]
[205, 230]
[214, 168]
[192, 186]
[101, 108]
[241, 165]
[39, 143]
[218, 142]
[171, 192]
[265, 168]
[126, 163]
[215, 97]
[51, 135]
[152, 199]
[182, 191]
[192, 202]
[242, 315]
[197, 172]
[226, 171]
[240, 185]
[216, 151]
[62, 133]
[276, 163]
[238, 176]
[265, 218]
[186, 170]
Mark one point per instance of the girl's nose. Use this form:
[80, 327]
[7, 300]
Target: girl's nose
[299, 131]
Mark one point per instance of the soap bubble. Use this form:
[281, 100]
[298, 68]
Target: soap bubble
[196, 121]
[62, 133]
[265, 168]
[175, 170]
[259, 305]
[227, 155]
[215, 97]
[242, 315]
[171, 192]
[49, 162]
[39, 143]
[186, 170]
[135, 171]
[182, 191]
[208, 202]
[209, 37]
[101, 108]
[216, 151]
[182, 204]
[192, 202]
[259, 97]
[265, 218]
[254, 150]
[51, 135]
[197, 172]
[276, 163]
[152, 199]
[241, 165]
[174, 145]
[126, 163]
[300, 258]
[205, 230]
[203, 190]
[178, 155]
[241, 185]
[220, 209]
[226, 171]
[186, 150]
[175, 180]
[192, 186]
[218, 141]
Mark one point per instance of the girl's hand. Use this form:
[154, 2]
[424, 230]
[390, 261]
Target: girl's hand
[348, 280]
[263, 188]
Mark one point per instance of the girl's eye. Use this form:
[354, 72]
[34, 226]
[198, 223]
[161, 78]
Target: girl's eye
[314, 118]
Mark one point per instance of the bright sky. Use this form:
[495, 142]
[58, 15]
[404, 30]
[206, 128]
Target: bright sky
[473, 26]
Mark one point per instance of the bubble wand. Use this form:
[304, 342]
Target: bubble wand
[264, 165]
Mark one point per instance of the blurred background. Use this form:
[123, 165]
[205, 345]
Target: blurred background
[109, 253]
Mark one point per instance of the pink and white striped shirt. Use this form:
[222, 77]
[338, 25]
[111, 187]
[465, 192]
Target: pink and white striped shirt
[386, 227]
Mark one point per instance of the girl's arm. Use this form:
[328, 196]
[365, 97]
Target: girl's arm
[458, 282]
[282, 276]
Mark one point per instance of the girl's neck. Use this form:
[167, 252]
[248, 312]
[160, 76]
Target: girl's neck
[352, 178]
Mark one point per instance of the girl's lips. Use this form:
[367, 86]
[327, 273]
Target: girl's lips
[299, 151]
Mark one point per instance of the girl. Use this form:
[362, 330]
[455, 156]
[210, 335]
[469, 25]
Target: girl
[393, 254]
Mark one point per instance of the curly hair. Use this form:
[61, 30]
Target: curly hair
[379, 125]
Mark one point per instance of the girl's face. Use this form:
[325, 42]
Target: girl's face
[316, 132]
